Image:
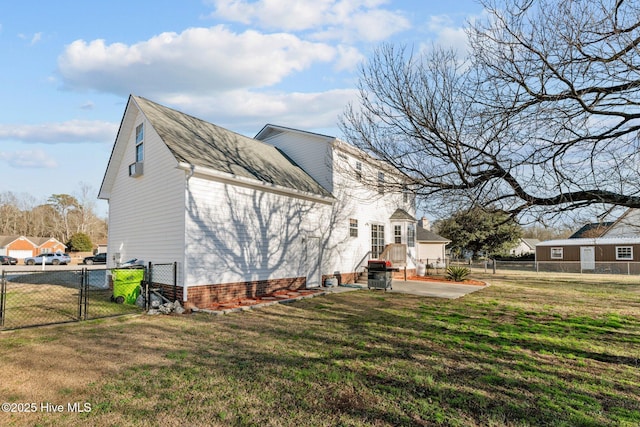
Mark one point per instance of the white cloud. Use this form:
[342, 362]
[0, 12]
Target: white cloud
[345, 20]
[72, 131]
[32, 159]
[245, 111]
[348, 58]
[32, 39]
[448, 35]
[198, 60]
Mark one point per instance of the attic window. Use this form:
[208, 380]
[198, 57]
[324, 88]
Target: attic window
[381, 182]
[140, 142]
[359, 171]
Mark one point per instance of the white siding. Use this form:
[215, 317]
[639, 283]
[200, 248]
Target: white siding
[431, 252]
[146, 213]
[333, 169]
[627, 226]
[238, 234]
[359, 201]
[311, 152]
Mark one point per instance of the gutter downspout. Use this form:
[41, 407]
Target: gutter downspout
[184, 262]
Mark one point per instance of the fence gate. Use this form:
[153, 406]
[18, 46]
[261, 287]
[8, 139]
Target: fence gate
[35, 298]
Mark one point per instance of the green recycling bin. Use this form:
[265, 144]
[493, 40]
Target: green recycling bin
[126, 284]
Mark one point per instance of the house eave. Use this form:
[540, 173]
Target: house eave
[228, 178]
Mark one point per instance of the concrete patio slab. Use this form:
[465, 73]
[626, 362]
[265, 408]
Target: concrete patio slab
[434, 289]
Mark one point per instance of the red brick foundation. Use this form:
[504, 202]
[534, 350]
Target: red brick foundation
[342, 278]
[205, 295]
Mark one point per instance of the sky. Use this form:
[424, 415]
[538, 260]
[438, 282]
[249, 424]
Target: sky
[68, 67]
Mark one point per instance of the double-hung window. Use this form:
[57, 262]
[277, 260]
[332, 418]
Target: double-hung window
[140, 142]
[353, 227]
[397, 234]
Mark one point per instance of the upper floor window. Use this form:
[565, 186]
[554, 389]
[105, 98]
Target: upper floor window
[353, 227]
[139, 133]
[381, 182]
[140, 142]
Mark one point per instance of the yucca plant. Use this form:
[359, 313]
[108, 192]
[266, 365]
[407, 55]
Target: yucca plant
[457, 273]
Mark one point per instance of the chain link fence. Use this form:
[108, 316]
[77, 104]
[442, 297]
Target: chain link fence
[598, 267]
[162, 278]
[36, 298]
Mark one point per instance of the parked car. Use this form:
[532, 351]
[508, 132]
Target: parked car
[96, 259]
[8, 260]
[53, 259]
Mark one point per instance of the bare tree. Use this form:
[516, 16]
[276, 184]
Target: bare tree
[541, 118]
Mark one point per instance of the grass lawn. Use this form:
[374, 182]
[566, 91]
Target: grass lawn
[527, 351]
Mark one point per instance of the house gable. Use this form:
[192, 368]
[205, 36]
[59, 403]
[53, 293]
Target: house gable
[196, 142]
[213, 150]
[628, 225]
[312, 151]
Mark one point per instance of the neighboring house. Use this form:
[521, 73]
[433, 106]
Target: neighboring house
[431, 247]
[591, 253]
[48, 245]
[244, 216]
[591, 230]
[17, 246]
[628, 225]
[525, 247]
[26, 246]
[101, 248]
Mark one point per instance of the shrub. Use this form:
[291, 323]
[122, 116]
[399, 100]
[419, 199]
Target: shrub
[457, 273]
[80, 242]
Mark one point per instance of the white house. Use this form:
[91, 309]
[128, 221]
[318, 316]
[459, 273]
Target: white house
[525, 246]
[242, 216]
[432, 248]
[628, 225]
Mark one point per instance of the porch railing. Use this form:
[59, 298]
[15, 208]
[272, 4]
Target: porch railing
[396, 253]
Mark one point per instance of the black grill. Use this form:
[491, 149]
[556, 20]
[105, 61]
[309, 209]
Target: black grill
[380, 274]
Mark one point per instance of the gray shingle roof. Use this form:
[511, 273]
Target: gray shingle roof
[402, 215]
[424, 235]
[204, 144]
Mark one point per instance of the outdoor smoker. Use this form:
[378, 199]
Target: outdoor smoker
[380, 274]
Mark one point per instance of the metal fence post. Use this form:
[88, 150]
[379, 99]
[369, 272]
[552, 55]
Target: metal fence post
[81, 293]
[175, 281]
[3, 291]
[84, 285]
[147, 294]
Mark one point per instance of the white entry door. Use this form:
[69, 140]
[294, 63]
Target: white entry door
[587, 258]
[314, 278]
